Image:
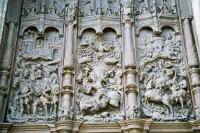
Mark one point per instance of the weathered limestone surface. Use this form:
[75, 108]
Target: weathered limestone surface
[100, 66]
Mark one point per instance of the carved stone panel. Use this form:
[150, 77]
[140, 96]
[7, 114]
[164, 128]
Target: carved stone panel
[93, 8]
[36, 85]
[164, 88]
[149, 8]
[99, 78]
[55, 8]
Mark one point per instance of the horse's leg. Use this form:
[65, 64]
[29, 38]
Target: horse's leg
[28, 108]
[181, 101]
[169, 107]
[21, 107]
[45, 108]
[34, 107]
[146, 100]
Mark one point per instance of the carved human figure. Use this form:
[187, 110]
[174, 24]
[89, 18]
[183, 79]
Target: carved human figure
[54, 90]
[32, 11]
[127, 3]
[168, 7]
[39, 43]
[88, 8]
[24, 99]
[71, 12]
[150, 82]
[109, 12]
[41, 6]
[43, 100]
[27, 71]
[143, 9]
[18, 74]
[39, 71]
[179, 91]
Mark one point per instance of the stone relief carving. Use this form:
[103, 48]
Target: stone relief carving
[164, 87]
[106, 8]
[164, 84]
[145, 8]
[50, 7]
[99, 91]
[36, 85]
[168, 7]
[71, 11]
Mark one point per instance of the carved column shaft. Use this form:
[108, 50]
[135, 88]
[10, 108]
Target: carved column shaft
[5, 69]
[193, 64]
[8, 48]
[128, 46]
[7, 59]
[67, 90]
[68, 71]
[68, 61]
[129, 64]
[190, 47]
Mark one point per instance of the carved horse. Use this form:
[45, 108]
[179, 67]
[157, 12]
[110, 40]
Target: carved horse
[100, 101]
[154, 95]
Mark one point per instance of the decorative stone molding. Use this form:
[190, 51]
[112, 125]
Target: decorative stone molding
[5, 127]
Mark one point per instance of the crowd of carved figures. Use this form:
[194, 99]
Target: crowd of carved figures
[62, 7]
[164, 84]
[50, 7]
[36, 82]
[145, 8]
[98, 89]
[109, 8]
[99, 78]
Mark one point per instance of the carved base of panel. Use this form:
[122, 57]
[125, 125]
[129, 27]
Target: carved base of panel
[127, 126]
[4, 127]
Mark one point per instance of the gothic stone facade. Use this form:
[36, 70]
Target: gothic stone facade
[99, 66]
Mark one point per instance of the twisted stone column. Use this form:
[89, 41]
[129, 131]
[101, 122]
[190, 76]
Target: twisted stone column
[130, 66]
[5, 69]
[193, 63]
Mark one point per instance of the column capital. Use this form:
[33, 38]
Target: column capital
[127, 20]
[12, 23]
[187, 19]
[70, 23]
